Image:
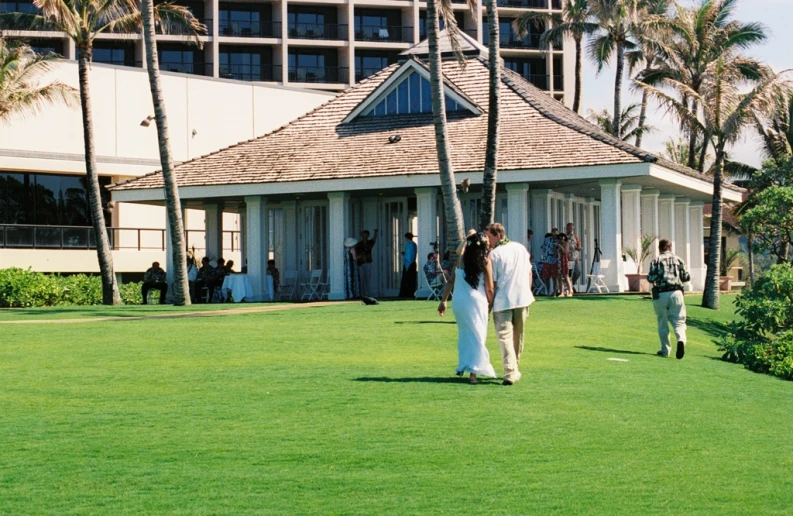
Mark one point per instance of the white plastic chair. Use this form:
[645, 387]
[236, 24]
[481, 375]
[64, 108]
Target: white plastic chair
[311, 289]
[288, 287]
[537, 284]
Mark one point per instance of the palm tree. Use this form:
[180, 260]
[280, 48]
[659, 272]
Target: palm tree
[168, 16]
[776, 130]
[574, 22]
[489, 177]
[453, 212]
[615, 20]
[21, 70]
[648, 36]
[726, 112]
[629, 120]
[700, 36]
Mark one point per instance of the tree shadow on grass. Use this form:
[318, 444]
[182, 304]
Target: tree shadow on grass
[425, 322]
[427, 379]
[713, 328]
[610, 350]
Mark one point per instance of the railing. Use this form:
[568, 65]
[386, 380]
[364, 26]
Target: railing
[363, 73]
[383, 33]
[511, 41]
[556, 4]
[318, 74]
[28, 236]
[317, 31]
[190, 68]
[266, 29]
[266, 73]
[532, 4]
[196, 238]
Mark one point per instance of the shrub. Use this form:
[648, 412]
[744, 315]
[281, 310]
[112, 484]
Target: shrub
[763, 339]
[21, 288]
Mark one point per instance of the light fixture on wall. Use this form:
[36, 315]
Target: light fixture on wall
[146, 121]
[195, 133]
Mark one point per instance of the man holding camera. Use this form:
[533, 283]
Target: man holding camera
[363, 253]
[668, 273]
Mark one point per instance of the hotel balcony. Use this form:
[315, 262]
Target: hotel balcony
[319, 74]
[246, 29]
[327, 31]
[384, 33]
[263, 73]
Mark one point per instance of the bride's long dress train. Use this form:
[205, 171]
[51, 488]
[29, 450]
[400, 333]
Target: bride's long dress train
[471, 313]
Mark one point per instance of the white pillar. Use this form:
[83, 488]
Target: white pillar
[697, 244]
[243, 239]
[213, 227]
[650, 221]
[631, 217]
[517, 211]
[427, 207]
[257, 239]
[541, 204]
[666, 218]
[611, 234]
[588, 236]
[338, 220]
[682, 239]
[569, 213]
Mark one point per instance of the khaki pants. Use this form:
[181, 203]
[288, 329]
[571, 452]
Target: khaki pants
[509, 331]
[670, 308]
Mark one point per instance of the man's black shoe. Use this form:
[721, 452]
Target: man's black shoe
[661, 354]
[681, 350]
[506, 382]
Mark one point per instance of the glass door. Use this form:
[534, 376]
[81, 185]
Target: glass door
[313, 240]
[394, 225]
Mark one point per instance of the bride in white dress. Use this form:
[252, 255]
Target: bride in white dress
[472, 282]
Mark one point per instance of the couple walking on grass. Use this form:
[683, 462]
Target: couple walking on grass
[493, 274]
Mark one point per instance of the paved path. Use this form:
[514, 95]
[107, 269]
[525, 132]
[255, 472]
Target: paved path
[212, 313]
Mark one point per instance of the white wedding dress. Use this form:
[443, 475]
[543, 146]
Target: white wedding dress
[470, 311]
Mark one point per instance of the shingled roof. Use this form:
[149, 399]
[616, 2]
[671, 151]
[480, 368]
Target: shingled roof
[536, 132]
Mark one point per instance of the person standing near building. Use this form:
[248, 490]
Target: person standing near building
[512, 277]
[363, 253]
[668, 273]
[575, 255]
[407, 288]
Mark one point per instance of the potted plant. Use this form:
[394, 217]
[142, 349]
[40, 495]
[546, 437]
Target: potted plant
[638, 282]
[732, 258]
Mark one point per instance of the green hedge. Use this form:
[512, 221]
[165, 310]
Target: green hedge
[21, 288]
[763, 339]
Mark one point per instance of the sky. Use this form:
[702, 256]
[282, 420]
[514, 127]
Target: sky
[776, 15]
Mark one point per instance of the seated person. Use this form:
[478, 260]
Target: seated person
[272, 271]
[433, 270]
[230, 267]
[154, 279]
[203, 278]
[192, 275]
[218, 275]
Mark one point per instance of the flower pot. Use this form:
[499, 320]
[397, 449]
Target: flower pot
[638, 283]
[725, 283]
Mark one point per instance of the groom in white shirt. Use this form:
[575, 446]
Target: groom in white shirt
[512, 277]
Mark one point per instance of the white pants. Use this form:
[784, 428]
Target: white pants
[509, 331]
[670, 307]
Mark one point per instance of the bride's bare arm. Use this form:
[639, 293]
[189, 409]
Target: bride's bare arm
[490, 288]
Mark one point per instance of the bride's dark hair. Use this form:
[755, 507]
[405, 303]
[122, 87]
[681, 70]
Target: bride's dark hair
[474, 256]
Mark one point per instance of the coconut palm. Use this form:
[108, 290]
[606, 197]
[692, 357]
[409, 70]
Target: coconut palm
[700, 36]
[575, 21]
[629, 120]
[21, 71]
[648, 36]
[776, 130]
[726, 112]
[612, 39]
[490, 176]
[453, 212]
[168, 16]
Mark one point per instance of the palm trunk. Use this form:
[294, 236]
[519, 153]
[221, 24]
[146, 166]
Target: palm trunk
[703, 152]
[173, 205]
[491, 153]
[692, 138]
[710, 299]
[578, 71]
[615, 126]
[643, 112]
[110, 294]
[452, 210]
[749, 245]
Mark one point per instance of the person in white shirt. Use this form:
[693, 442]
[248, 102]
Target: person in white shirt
[512, 277]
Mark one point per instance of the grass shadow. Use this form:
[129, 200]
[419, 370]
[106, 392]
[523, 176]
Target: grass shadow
[610, 350]
[713, 328]
[427, 379]
[425, 322]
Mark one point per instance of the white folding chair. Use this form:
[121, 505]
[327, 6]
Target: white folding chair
[311, 289]
[324, 289]
[288, 287]
[537, 284]
[596, 283]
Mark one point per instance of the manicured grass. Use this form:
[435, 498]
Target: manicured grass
[86, 312]
[354, 409]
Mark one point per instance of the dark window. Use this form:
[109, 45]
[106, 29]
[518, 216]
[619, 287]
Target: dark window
[369, 62]
[180, 59]
[247, 20]
[507, 37]
[458, 16]
[373, 25]
[45, 46]
[47, 199]
[114, 53]
[314, 23]
[533, 70]
[18, 7]
[315, 66]
[247, 64]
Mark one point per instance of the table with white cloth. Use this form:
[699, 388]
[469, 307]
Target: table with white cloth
[239, 286]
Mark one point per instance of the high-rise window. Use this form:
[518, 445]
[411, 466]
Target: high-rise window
[315, 66]
[180, 59]
[246, 64]
[370, 62]
[247, 20]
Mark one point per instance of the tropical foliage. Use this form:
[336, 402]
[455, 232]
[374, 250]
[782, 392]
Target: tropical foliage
[629, 122]
[21, 288]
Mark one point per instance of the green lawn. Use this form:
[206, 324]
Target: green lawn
[354, 409]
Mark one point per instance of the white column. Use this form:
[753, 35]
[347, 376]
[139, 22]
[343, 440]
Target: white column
[213, 227]
[588, 236]
[631, 217]
[611, 234]
[257, 240]
[517, 211]
[338, 220]
[666, 218]
[427, 207]
[291, 240]
[243, 239]
[541, 204]
[682, 239]
[650, 221]
[697, 241]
